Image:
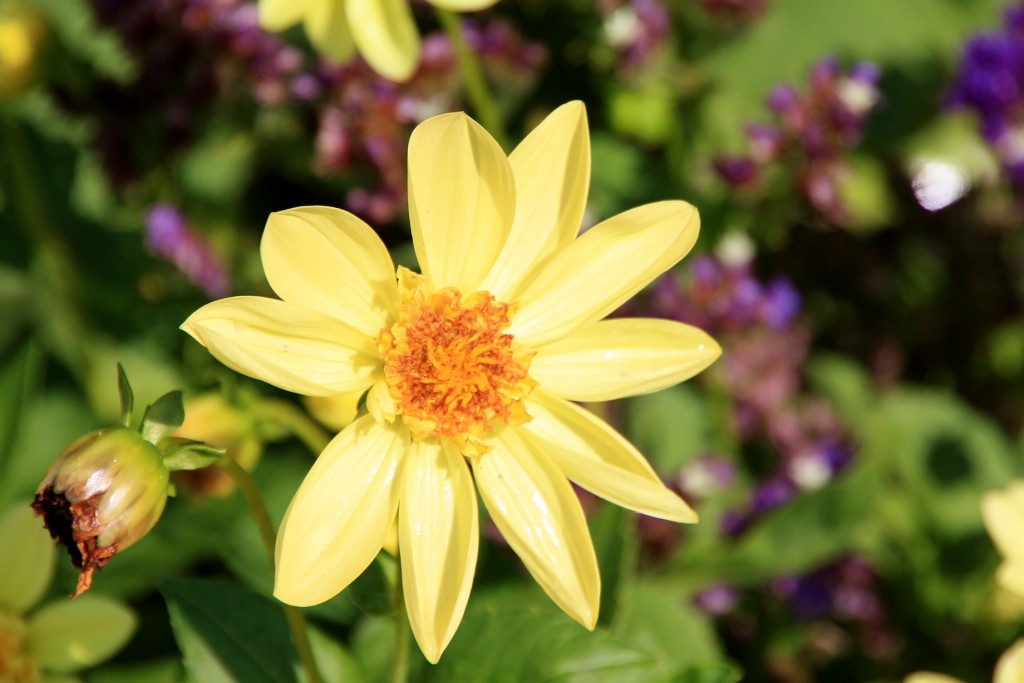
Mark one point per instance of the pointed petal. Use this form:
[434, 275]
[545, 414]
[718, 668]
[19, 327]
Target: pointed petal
[330, 261]
[286, 345]
[595, 456]
[337, 520]
[540, 516]
[26, 567]
[386, 36]
[551, 167]
[1010, 667]
[602, 269]
[1003, 513]
[462, 5]
[622, 357]
[70, 635]
[278, 15]
[438, 539]
[462, 199]
[328, 30]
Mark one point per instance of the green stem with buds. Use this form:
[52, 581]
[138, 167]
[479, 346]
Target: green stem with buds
[473, 79]
[258, 511]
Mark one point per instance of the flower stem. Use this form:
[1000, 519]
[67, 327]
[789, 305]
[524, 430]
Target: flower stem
[400, 662]
[473, 79]
[258, 511]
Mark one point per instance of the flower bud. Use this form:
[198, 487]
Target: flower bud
[104, 492]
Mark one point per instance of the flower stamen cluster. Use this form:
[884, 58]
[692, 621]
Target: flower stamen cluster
[450, 367]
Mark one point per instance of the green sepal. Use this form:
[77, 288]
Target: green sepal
[163, 417]
[124, 391]
[172, 490]
[186, 454]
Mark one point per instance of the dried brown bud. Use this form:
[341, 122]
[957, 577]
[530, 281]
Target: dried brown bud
[104, 492]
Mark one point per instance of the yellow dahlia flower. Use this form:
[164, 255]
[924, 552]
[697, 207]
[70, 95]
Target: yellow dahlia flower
[1003, 512]
[383, 31]
[471, 367]
[1009, 669]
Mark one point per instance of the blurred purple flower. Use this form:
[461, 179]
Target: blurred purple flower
[365, 119]
[636, 29]
[717, 600]
[169, 236]
[811, 135]
[991, 82]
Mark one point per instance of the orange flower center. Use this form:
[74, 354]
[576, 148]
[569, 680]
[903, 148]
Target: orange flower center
[451, 369]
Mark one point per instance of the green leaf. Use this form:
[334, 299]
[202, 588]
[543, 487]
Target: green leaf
[48, 422]
[806, 532]
[941, 454]
[711, 673]
[186, 454]
[159, 671]
[228, 633]
[370, 591]
[670, 427]
[124, 392]
[613, 531]
[844, 382]
[658, 618]
[163, 418]
[516, 635]
[911, 31]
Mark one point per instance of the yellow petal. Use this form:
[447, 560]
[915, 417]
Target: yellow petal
[330, 261]
[929, 677]
[551, 167]
[438, 539]
[337, 520]
[278, 15]
[1010, 667]
[595, 456]
[291, 347]
[1010, 576]
[328, 29]
[72, 634]
[461, 200]
[386, 36]
[602, 269]
[1003, 513]
[27, 564]
[336, 412]
[462, 5]
[622, 357]
[540, 516]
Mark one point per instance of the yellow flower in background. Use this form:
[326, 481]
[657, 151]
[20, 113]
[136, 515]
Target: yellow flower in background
[213, 419]
[22, 34]
[1009, 669]
[382, 31]
[61, 637]
[472, 368]
[1003, 512]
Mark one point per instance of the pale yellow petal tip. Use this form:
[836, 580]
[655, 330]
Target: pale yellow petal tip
[291, 597]
[431, 651]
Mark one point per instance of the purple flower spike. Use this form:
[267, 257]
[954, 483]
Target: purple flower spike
[169, 236]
